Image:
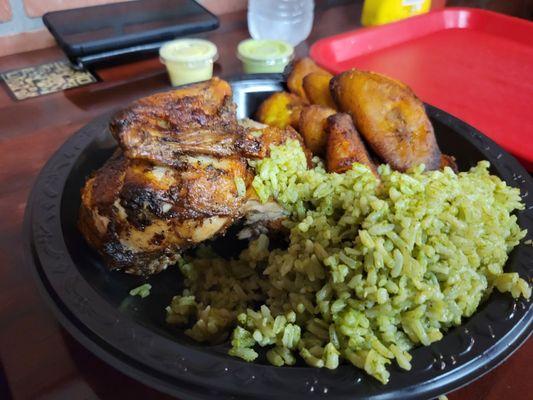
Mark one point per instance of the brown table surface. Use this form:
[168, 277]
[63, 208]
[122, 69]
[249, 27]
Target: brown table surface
[38, 359]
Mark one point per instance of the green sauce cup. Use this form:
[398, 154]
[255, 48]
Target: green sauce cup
[264, 56]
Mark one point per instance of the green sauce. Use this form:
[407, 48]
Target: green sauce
[264, 56]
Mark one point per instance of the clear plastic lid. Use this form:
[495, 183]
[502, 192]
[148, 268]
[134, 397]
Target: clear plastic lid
[265, 51]
[189, 51]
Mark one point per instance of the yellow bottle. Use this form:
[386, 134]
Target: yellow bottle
[379, 12]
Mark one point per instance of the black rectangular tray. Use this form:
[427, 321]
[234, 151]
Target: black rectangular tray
[96, 33]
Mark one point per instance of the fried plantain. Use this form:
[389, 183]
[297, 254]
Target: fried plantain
[316, 88]
[300, 69]
[312, 127]
[281, 109]
[345, 146]
[389, 116]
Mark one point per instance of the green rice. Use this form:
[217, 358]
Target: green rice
[241, 186]
[141, 291]
[372, 269]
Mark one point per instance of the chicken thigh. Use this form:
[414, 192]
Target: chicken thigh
[140, 215]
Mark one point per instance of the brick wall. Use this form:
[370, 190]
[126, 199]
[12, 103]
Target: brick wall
[21, 27]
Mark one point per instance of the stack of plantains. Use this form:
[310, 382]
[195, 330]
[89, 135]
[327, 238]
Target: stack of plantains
[339, 116]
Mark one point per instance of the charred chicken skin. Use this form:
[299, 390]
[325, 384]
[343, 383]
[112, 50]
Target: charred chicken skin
[196, 120]
[179, 177]
[139, 215]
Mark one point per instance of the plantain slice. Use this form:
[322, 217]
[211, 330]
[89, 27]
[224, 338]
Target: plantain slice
[281, 109]
[312, 126]
[300, 69]
[389, 116]
[344, 145]
[316, 88]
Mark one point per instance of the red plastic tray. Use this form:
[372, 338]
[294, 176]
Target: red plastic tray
[474, 64]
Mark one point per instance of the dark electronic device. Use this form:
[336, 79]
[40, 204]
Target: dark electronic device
[121, 31]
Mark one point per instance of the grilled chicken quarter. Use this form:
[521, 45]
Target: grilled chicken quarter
[179, 177]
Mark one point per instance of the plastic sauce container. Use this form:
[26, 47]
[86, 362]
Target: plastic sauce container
[188, 60]
[260, 56]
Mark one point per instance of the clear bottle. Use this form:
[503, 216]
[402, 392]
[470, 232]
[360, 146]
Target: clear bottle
[287, 20]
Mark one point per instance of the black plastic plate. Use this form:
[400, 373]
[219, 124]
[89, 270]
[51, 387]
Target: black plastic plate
[130, 334]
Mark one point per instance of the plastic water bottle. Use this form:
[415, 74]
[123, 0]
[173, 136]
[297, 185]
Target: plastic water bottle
[287, 20]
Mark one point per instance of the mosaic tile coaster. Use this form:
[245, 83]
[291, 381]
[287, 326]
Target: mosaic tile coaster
[44, 79]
